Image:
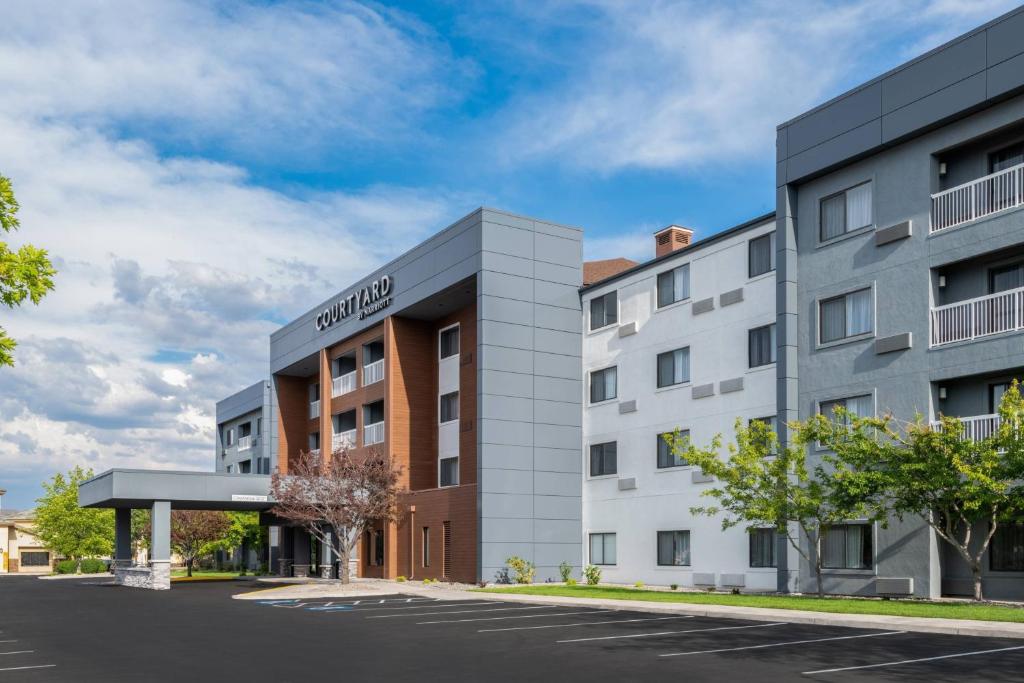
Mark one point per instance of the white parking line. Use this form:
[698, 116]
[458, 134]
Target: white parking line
[404, 607]
[520, 616]
[17, 652]
[585, 623]
[672, 633]
[8, 641]
[467, 611]
[914, 661]
[36, 666]
[790, 642]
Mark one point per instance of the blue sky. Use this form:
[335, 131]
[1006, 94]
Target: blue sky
[203, 172]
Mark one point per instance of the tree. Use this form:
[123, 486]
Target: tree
[338, 499]
[72, 531]
[244, 532]
[962, 488]
[195, 532]
[24, 274]
[762, 485]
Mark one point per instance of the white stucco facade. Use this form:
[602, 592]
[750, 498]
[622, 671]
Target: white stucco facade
[640, 498]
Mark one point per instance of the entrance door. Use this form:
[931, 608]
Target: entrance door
[995, 395]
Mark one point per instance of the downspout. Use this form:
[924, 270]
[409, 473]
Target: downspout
[412, 541]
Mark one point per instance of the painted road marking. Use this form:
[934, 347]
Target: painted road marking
[17, 652]
[672, 633]
[585, 623]
[8, 641]
[791, 642]
[404, 607]
[914, 661]
[468, 611]
[36, 666]
[518, 616]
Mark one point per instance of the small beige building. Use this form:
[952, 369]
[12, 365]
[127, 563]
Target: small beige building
[20, 551]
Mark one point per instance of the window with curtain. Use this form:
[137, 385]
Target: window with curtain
[761, 256]
[602, 548]
[604, 310]
[761, 345]
[848, 315]
[845, 212]
[603, 385]
[674, 285]
[847, 546]
[1006, 278]
[858, 406]
[1006, 552]
[448, 474]
[666, 456]
[673, 367]
[449, 342]
[603, 458]
[450, 407]
[674, 548]
[762, 548]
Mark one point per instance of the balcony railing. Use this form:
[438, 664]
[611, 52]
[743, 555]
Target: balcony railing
[979, 317]
[374, 372]
[245, 443]
[343, 384]
[978, 198]
[344, 440]
[314, 410]
[976, 427]
[373, 434]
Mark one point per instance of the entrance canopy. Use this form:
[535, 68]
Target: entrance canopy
[183, 490]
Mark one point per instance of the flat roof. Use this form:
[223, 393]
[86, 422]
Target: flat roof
[129, 488]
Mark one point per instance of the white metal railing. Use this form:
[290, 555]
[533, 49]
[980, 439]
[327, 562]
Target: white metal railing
[314, 410]
[374, 372]
[978, 317]
[976, 427]
[373, 433]
[982, 197]
[244, 443]
[344, 440]
[343, 384]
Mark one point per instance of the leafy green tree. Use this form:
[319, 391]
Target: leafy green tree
[72, 531]
[24, 274]
[962, 488]
[244, 532]
[763, 485]
[194, 533]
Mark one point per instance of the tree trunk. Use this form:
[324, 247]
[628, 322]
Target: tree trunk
[78, 566]
[817, 575]
[343, 563]
[188, 566]
[976, 575]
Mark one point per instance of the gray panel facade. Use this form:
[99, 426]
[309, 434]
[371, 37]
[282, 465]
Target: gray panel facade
[252, 406]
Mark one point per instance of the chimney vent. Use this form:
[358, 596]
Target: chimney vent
[672, 238]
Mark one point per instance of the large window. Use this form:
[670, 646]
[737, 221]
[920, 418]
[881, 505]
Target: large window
[674, 285]
[847, 546]
[845, 316]
[450, 407]
[449, 342]
[602, 548]
[674, 548]
[857, 406]
[604, 311]
[603, 385]
[1006, 553]
[673, 367]
[666, 456]
[35, 558]
[761, 345]
[762, 548]
[603, 458]
[449, 471]
[845, 212]
[761, 256]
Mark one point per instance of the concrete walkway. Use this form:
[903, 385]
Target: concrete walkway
[963, 627]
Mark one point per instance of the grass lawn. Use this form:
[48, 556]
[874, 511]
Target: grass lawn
[895, 608]
[202, 575]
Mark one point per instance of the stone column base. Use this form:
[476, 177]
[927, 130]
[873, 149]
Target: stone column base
[157, 576]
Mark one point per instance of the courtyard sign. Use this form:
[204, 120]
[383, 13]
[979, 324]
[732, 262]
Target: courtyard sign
[362, 303]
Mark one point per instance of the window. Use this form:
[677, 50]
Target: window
[378, 548]
[666, 456]
[603, 458]
[762, 548]
[842, 317]
[761, 345]
[1006, 554]
[845, 212]
[761, 255]
[230, 469]
[450, 342]
[245, 429]
[847, 546]
[449, 471]
[231, 437]
[1006, 278]
[673, 367]
[450, 407]
[674, 548]
[674, 285]
[603, 385]
[35, 558]
[1006, 158]
[602, 548]
[604, 310]
[859, 406]
[772, 426]
[426, 546]
[259, 426]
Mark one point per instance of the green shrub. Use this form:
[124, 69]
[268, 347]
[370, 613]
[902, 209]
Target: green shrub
[523, 571]
[571, 581]
[91, 565]
[565, 569]
[674, 586]
[401, 579]
[592, 574]
[428, 581]
[66, 567]
[638, 584]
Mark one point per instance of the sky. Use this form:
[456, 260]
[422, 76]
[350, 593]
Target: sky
[203, 172]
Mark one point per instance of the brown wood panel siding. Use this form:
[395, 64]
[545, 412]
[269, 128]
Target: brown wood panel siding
[456, 505]
[292, 418]
[411, 408]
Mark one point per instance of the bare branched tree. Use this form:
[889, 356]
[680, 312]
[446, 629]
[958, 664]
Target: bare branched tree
[337, 499]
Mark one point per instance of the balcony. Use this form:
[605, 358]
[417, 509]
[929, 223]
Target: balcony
[979, 198]
[245, 443]
[344, 440]
[976, 427]
[373, 434]
[373, 372]
[314, 410]
[343, 384]
[982, 316]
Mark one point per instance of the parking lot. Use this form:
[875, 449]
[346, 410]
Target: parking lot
[87, 631]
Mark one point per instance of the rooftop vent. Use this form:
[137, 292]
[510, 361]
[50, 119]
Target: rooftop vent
[670, 239]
